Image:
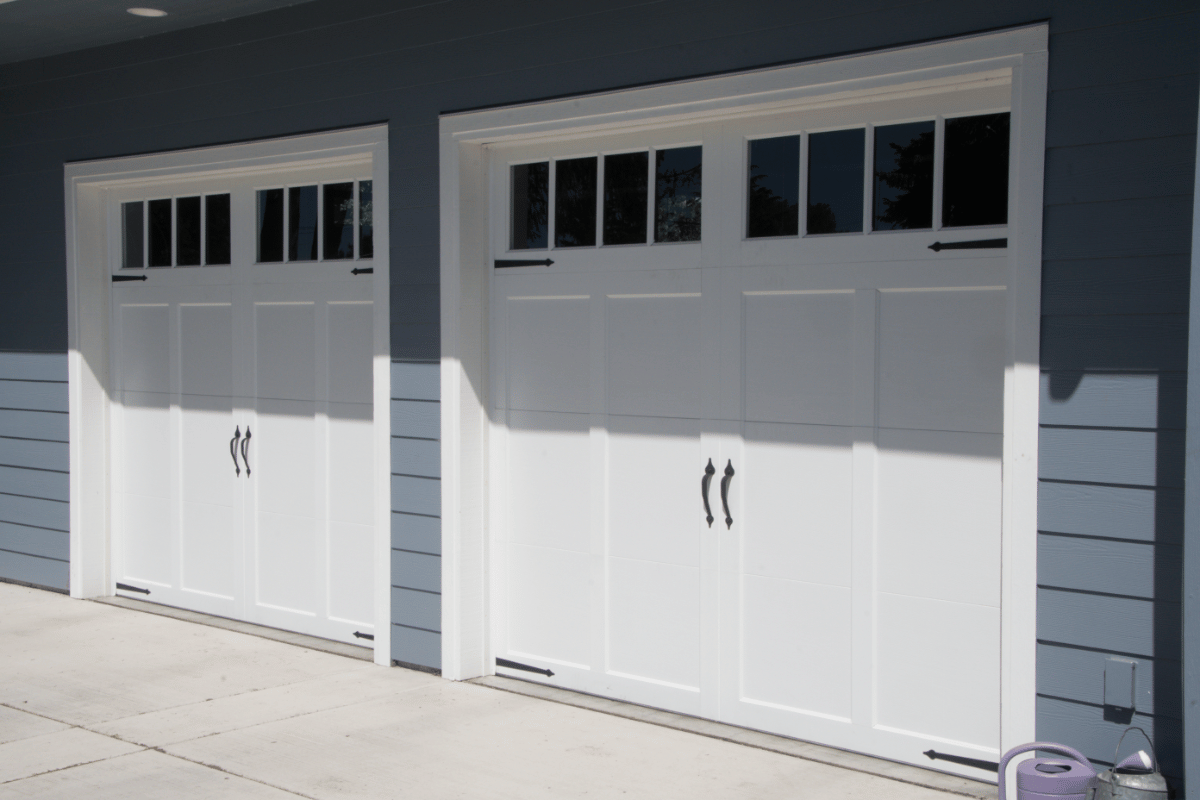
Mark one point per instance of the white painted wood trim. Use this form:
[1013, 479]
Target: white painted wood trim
[465, 278]
[1191, 548]
[88, 309]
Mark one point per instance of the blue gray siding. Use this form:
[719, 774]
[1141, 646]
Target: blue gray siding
[34, 511]
[1121, 142]
[416, 514]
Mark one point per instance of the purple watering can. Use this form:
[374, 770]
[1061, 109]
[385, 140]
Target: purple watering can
[1050, 778]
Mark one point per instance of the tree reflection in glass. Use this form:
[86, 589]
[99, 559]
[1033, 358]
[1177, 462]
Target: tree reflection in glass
[530, 205]
[975, 186]
[575, 202]
[836, 161]
[904, 176]
[678, 177]
[625, 178]
[773, 208]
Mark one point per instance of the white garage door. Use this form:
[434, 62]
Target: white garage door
[243, 412]
[748, 425]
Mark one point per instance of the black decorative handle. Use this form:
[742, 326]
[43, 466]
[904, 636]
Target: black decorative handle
[233, 448]
[724, 492]
[245, 457]
[709, 471]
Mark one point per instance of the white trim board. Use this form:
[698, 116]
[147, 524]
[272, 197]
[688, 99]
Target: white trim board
[1191, 546]
[88, 326]
[1019, 55]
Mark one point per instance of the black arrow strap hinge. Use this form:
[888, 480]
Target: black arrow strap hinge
[504, 662]
[363, 271]
[123, 278]
[975, 244]
[505, 263]
[978, 763]
[361, 635]
[125, 587]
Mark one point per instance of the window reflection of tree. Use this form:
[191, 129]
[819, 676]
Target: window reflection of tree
[625, 198]
[770, 213]
[678, 205]
[575, 205]
[975, 187]
[821, 218]
[531, 186]
[912, 176]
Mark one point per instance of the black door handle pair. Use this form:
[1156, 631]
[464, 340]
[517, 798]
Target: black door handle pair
[233, 450]
[706, 481]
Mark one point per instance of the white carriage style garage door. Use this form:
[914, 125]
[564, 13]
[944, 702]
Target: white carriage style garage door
[242, 351]
[747, 425]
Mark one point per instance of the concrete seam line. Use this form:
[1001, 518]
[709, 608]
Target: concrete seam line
[224, 771]
[678, 722]
[70, 766]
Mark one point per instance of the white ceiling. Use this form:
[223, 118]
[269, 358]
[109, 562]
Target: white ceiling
[37, 28]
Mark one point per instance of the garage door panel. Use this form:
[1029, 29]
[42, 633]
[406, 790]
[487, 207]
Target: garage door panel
[798, 494]
[146, 465]
[351, 345]
[206, 349]
[282, 453]
[654, 505]
[285, 569]
[938, 669]
[148, 546]
[351, 449]
[939, 515]
[145, 347]
[798, 356]
[549, 478]
[656, 365]
[211, 549]
[350, 597]
[207, 426]
[941, 359]
[549, 604]
[796, 646]
[548, 351]
[284, 367]
[654, 622]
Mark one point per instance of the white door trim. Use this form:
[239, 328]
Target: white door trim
[465, 291]
[88, 309]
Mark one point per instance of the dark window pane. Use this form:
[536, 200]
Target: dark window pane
[302, 223]
[216, 224]
[904, 176]
[339, 220]
[530, 205]
[626, 177]
[187, 231]
[160, 233]
[366, 230]
[975, 183]
[131, 236]
[677, 194]
[836, 162]
[575, 202]
[270, 225]
[773, 207]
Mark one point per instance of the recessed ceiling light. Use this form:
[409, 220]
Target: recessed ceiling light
[147, 12]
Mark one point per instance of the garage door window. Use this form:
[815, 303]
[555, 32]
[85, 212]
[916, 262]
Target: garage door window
[904, 176]
[321, 222]
[175, 232]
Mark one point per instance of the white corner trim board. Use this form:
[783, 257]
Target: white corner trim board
[92, 190]
[1013, 58]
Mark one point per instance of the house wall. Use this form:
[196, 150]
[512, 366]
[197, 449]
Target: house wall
[1121, 148]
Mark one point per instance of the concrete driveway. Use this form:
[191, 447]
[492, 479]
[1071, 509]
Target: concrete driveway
[101, 702]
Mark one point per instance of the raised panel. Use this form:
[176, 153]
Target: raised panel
[146, 539]
[941, 360]
[549, 480]
[797, 645]
[656, 365]
[798, 498]
[654, 621]
[145, 445]
[145, 348]
[285, 350]
[351, 341]
[206, 349]
[351, 474]
[798, 357]
[549, 598]
[548, 351]
[938, 669]
[285, 549]
[349, 565]
[938, 518]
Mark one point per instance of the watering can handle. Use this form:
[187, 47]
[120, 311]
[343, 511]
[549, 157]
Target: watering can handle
[1049, 747]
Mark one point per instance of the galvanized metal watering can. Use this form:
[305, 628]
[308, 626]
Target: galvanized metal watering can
[1135, 778]
[1050, 778]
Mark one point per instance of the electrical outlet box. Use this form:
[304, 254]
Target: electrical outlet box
[1120, 682]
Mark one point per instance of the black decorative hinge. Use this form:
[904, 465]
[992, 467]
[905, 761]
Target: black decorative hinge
[975, 244]
[978, 763]
[360, 635]
[505, 263]
[363, 271]
[504, 662]
[123, 278]
[125, 587]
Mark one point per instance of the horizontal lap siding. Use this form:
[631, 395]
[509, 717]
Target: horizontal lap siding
[416, 513]
[1119, 183]
[34, 492]
[1121, 141]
